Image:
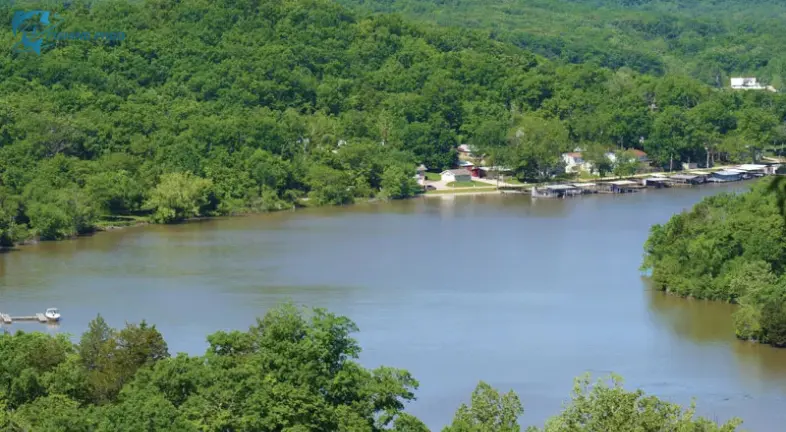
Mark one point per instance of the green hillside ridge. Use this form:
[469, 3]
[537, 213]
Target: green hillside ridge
[233, 106]
[708, 40]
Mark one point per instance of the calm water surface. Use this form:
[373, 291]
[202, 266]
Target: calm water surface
[523, 294]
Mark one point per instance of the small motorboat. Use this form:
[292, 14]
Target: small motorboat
[52, 314]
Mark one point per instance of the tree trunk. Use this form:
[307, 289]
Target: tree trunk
[671, 163]
[708, 157]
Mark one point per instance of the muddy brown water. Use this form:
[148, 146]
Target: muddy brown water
[523, 294]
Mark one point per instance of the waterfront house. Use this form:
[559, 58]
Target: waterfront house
[640, 156]
[494, 172]
[574, 162]
[456, 175]
[726, 176]
[469, 166]
[466, 151]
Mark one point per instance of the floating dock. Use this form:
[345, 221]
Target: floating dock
[8, 319]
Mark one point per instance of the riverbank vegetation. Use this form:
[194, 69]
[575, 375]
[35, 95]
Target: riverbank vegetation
[732, 248]
[226, 107]
[294, 370]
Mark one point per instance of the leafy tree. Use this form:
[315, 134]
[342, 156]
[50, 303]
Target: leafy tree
[398, 182]
[625, 164]
[179, 196]
[488, 411]
[600, 408]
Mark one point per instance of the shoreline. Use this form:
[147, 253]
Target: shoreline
[491, 190]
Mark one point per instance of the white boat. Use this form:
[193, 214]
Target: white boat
[52, 314]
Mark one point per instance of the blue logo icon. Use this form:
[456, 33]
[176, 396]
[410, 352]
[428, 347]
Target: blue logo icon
[36, 27]
[38, 30]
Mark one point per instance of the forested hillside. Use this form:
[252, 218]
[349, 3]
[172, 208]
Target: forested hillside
[290, 372]
[707, 39]
[729, 247]
[220, 107]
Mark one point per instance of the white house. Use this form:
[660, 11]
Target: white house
[638, 154]
[574, 162]
[456, 175]
[466, 150]
[749, 83]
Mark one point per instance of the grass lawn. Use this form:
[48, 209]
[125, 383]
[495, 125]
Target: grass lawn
[468, 184]
[433, 176]
[461, 191]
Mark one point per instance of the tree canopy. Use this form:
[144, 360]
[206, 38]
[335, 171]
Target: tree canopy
[294, 370]
[222, 107]
[707, 40]
[729, 247]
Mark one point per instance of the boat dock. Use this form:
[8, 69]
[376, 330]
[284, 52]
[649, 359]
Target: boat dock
[8, 319]
[655, 181]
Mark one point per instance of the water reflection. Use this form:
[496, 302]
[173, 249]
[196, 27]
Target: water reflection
[707, 322]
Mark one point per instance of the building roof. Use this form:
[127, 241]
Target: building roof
[466, 148]
[701, 173]
[466, 164]
[495, 168]
[573, 154]
[751, 167]
[560, 187]
[727, 172]
[622, 182]
[421, 168]
[738, 171]
[684, 176]
[456, 172]
[584, 185]
[658, 179]
[638, 153]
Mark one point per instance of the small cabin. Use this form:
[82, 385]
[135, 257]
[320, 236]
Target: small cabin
[456, 175]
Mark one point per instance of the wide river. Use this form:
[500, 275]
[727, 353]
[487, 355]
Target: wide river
[523, 294]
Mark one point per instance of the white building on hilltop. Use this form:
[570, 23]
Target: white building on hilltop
[749, 84]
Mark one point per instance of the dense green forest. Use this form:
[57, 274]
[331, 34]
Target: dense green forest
[709, 40]
[293, 371]
[231, 106]
[729, 247]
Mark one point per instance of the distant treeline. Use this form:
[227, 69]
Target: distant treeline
[293, 371]
[230, 106]
[708, 40]
[729, 247]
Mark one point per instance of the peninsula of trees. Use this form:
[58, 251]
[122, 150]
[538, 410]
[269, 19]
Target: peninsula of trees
[293, 371]
[230, 106]
[732, 248]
